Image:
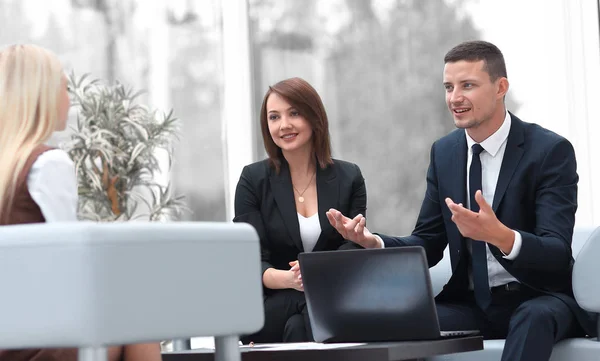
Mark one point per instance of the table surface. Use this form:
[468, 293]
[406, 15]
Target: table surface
[384, 351]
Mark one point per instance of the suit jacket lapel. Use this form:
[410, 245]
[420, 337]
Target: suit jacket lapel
[328, 197]
[458, 185]
[281, 185]
[512, 155]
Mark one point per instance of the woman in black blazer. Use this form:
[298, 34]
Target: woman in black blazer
[285, 198]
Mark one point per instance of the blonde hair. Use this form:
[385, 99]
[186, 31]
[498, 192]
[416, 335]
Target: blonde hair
[30, 81]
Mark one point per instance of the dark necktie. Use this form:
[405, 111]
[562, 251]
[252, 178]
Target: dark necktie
[481, 285]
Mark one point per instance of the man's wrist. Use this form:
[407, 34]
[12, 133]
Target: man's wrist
[378, 242]
[505, 240]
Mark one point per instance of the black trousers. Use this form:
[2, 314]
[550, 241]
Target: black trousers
[531, 322]
[286, 319]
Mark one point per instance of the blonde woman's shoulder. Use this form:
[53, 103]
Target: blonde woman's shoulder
[54, 157]
[53, 185]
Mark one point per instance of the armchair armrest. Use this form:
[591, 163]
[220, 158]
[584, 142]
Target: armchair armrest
[586, 272]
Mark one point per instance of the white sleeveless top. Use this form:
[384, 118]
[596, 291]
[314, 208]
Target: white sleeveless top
[310, 230]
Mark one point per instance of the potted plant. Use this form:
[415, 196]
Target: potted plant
[114, 146]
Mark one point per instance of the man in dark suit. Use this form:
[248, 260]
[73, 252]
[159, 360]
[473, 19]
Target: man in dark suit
[503, 194]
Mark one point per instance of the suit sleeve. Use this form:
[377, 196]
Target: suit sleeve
[429, 232]
[358, 203]
[548, 248]
[247, 210]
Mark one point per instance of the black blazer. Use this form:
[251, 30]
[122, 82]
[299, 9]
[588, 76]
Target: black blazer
[266, 201]
[536, 195]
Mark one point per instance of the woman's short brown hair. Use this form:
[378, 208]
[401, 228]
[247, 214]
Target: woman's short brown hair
[302, 96]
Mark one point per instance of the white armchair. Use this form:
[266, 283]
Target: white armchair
[89, 285]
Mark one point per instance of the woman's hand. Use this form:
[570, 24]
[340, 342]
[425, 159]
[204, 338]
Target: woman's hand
[278, 279]
[295, 278]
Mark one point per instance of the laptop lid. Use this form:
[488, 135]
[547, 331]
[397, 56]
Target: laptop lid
[369, 295]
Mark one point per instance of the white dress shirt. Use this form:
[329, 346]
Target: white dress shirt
[53, 186]
[491, 162]
[310, 230]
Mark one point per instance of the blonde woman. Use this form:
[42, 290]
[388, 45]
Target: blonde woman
[37, 182]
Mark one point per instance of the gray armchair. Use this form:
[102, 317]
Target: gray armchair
[89, 286]
[586, 250]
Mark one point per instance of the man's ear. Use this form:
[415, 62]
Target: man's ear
[502, 87]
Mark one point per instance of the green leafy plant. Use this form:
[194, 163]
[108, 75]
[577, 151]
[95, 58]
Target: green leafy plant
[114, 146]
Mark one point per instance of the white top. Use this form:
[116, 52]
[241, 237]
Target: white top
[491, 162]
[53, 186]
[310, 230]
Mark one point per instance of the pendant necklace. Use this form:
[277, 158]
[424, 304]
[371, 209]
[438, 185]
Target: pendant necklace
[300, 194]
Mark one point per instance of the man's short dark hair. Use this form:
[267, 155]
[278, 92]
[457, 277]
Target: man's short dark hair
[479, 50]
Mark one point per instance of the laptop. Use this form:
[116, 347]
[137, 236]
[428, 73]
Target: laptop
[372, 295]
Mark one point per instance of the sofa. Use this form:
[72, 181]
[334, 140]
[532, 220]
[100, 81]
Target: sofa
[586, 287]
